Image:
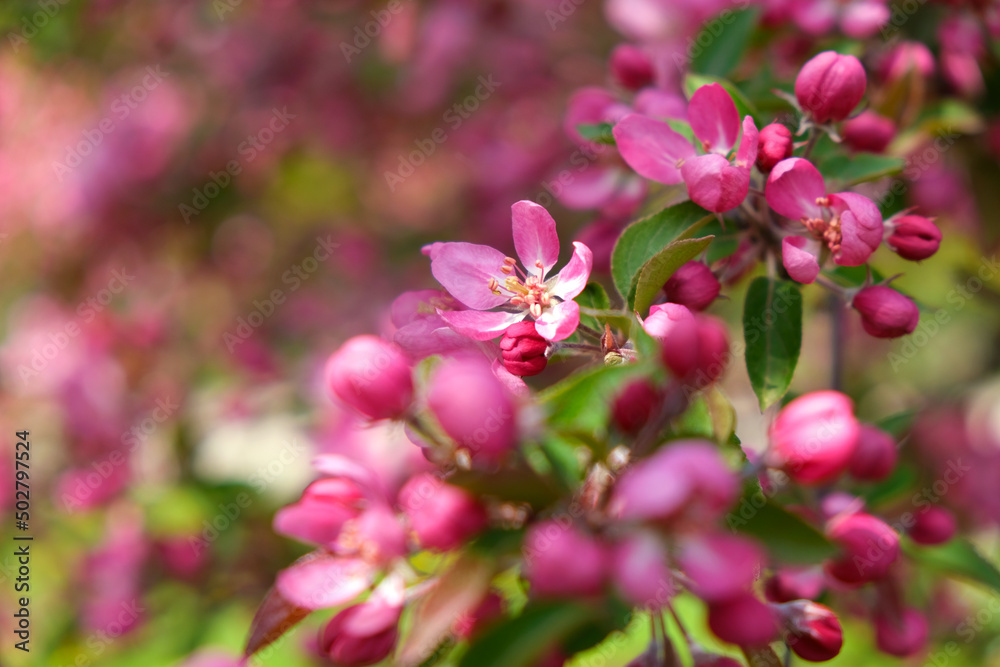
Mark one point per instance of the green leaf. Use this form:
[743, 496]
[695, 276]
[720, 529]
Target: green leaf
[860, 168]
[956, 558]
[598, 133]
[899, 484]
[593, 297]
[727, 37]
[520, 485]
[582, 402]
[897, 424]
[525, 639]
[772, 329]
[561, 454]
[661, 266]
[744, 106]
[788, 538]
[852, 276]
[710, 415]
[643, 239]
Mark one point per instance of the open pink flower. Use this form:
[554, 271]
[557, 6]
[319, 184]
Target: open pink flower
[661, 154]
[483, 278]
[849, 224]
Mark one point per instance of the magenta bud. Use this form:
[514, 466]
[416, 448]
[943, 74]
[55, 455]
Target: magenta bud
[869, 131]
[372, 376]
[442, 516]
[914, 237]
[641, 572]
[693, 285]
[523, 349]
[473, 408]
[904, 58]
[713, 351]
[869, 548]
[934, 525]
[631, 67]
[695, 349]
[814, 437]
[812, 631]
[360, 635]
[875, 456]
[901, 636]
[634, 406]
[794, 583]
[775, 145]
[743, 620]
[720, 566]
[562, 561]
[830, 85]
[885, 313]
[686, 479]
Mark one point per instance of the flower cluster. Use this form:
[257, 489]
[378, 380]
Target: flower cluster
[617, 481]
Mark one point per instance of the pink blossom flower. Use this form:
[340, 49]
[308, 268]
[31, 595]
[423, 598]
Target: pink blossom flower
[849, 224]
[483, 278]
[659, 153]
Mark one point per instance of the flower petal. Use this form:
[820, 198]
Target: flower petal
[535, 237]
[747, 154]
[478, 324]
[714, 118]
[573, 277]
[652, 148]
[324, 581]
[558, 321]
[465, 269]
[714, 184]
[860, 227]
[793, 188]
[863, 19]
[800, 262]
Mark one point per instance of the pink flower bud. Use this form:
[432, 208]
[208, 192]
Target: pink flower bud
[814, 437]
[361, 635]
[713, 352]
[813, 631]
[830, 85]
[685, 480]
[372, 376]
[743, 620]
[695, 349]
[934, 525]
[904, 58]
[631, 67]
[562, 561]
[523, 349]
[693, 285]
[473, 408]
[794, 583]
[775, 145]
[318, 517]
[885, 313]
[720, 566]
[634, 406]
[875, 456]
[902, 636]
[914, 237]
[640, 569]
[869, 548]
[869, 131]
[442, 516]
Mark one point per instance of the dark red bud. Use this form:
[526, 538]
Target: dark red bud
[523, 350]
